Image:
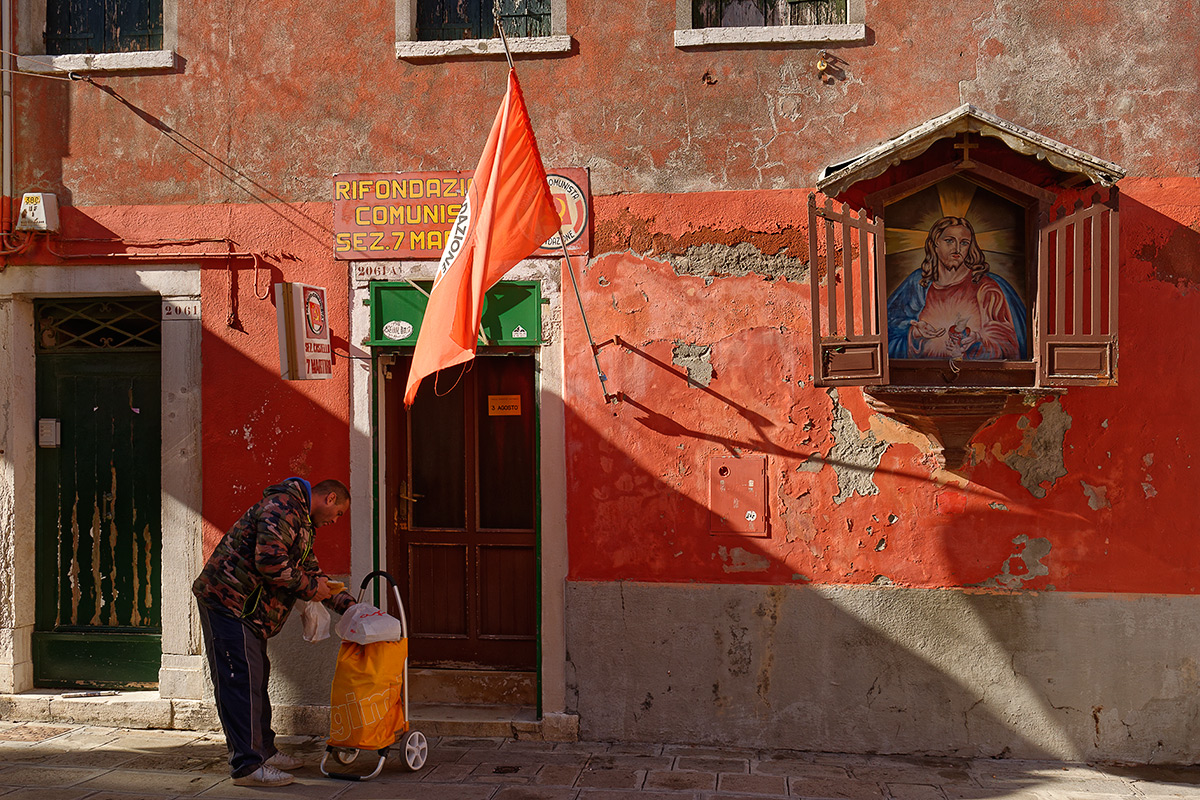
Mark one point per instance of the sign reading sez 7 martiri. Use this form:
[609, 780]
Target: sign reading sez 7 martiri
[395, 215]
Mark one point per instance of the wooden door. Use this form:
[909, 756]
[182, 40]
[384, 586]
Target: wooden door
[462, 466]
[98, 530]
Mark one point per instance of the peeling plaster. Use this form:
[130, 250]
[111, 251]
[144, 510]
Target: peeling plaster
[714, 260]
[741, 560]
[696, 359]
[1027, 562]
[854, 456]
[1039, 459]
[1097, 496]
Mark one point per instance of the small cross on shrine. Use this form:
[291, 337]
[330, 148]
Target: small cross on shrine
[966, 145]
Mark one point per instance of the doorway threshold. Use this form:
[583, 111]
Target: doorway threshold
[473, 702]
[447, 719]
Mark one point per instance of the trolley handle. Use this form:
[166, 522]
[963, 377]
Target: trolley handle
[379, 573]
[362, 590]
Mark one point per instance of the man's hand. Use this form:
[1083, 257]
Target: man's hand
[324, 590]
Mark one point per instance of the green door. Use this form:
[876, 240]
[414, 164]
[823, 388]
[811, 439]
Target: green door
[98, 508]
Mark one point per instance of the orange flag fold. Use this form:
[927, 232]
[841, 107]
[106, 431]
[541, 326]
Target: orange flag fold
[507, 214]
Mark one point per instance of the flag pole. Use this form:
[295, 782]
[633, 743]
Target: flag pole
[592, 342]
[500, 29]
[561, 239]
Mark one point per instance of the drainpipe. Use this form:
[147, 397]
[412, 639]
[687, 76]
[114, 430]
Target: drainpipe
[6, 110]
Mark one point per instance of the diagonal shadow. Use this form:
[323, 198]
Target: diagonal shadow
[235, 176]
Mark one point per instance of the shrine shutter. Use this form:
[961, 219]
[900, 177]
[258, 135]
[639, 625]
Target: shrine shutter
[1077, 295]
[845, 269]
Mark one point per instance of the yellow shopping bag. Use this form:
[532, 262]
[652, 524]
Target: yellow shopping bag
[366, 703]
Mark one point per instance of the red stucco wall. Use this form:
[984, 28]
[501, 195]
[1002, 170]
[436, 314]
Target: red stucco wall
[704, 149]
[1107, 472]
[257, 429]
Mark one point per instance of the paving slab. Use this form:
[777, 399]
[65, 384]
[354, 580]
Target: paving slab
[710, 763]
[773, 785]
[185, 784]
[557, 775]
[616, 778]
[629, 794]
[674, 779]
[385, 791]
[536, 793]
[630, 761]
[822, 789]
[915, 791]
[22, 775]
[45, 793]
[305, 788]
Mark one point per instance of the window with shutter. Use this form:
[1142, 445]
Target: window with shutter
[960, 265]
[436, 29]
[725, 23]
[475, 19]
[754, 13]
[103, 26]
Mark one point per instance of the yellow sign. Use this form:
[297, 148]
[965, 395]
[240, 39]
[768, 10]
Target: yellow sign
[504, 405]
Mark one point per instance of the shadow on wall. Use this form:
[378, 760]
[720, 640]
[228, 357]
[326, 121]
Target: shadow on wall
[779, 661]
[280, 429]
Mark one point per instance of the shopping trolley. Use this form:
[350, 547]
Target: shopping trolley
[369, 701]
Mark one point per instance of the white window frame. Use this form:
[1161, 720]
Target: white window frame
[407, 46]
[854, 30]
[31, 44]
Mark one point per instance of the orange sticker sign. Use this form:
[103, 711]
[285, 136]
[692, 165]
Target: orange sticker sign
[504, 405]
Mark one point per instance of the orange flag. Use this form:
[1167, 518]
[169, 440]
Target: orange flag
[507, 214]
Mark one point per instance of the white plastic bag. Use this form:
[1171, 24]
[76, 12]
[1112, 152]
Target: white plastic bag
[364, 623]
[315, 617]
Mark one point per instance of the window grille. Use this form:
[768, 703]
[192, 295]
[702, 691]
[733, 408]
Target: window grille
[765, 13]
[444, 20]
[105, 323]
[103, 26]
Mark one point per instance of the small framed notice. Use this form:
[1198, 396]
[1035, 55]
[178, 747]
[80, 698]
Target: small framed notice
[504, 405]
[304, 351]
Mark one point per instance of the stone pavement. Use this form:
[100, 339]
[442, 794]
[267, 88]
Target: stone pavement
[74, 762]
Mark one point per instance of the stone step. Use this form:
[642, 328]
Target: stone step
[451, 719]
[472, 687]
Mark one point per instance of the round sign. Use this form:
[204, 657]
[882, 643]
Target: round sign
[397, 329]
[571, 205]
[314, 312]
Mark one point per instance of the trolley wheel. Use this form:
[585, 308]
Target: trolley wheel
[416, 750]
[345, 755]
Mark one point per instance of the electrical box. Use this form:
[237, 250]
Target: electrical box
[737, 495]
[39, 212]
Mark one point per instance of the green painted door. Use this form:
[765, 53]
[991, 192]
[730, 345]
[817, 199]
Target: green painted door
[99, 538]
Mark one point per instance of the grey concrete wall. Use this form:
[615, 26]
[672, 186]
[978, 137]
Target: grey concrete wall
[888, 670]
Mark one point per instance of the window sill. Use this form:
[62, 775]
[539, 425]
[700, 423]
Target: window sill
[140, 61]
[780, 34]
[482, 47]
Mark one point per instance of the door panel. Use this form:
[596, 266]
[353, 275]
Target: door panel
[99, 542]
[98, 527]
[461, 467]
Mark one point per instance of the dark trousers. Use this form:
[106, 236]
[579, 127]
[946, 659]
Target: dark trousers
[237, 660]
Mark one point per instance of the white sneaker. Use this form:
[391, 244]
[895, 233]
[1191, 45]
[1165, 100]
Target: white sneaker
[264, 776]
[283, 761]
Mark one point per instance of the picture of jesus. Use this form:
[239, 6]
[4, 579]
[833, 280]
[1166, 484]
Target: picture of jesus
[952, 307]
[945, 299]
